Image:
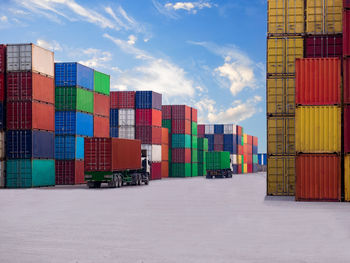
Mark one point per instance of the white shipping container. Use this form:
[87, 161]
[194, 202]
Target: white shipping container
[209, 128]
[29, 57]
[126, 117]
[2, 174]
[127, 132]
[2, 145]
[154, 152]
[234, 158]
[230, 129]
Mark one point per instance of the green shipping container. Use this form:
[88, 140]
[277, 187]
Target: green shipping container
[202, 144]
[194, 156]
[242, 160]
[200, 156]
[101, 83]
[170, 155]
[194, 169]
[202, 171]
[180, 170]
[194, 128]
[194, 142]
[255, 158]
[74, 99]
[242, 140]
[167, 124]
[181, 141]
[218, 160]
[25, 173]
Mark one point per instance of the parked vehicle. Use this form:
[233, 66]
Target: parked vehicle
[219, 165]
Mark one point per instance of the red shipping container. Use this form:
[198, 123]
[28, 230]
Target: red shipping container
[239, 130]
[165, 169]
[218, 147]
[249, 140]
[346, 78]
[181, 155]
[166, 112]
[69, 172]
[318, 81]
[346, 33]
[218, 139]
[181, 127]
[181, 112]
[323, 46]
[239, 169]
[255, 141]
[28, 86]
[122, 99]
[30, 115]
[101, 127]
[240, 149]
[2, 58]
[347, 129]
[194, 114]
[148, 117]
[101, 105]
[165, 152]
[201, 130]
[111, 154]
[165, 136]
[2, 87]
[149, 134]
[156, 171]
[346, 3]
[250, 168]
[318, 177]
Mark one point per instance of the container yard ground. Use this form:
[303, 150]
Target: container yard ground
[172, 220]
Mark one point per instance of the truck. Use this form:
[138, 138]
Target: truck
[116, 162]
[219, 165]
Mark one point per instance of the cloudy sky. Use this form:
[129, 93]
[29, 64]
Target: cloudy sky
[209, 54]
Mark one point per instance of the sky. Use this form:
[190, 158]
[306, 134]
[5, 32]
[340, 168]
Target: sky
[208, 54]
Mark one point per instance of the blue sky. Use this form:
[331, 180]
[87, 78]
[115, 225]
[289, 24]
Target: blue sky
[208, 54]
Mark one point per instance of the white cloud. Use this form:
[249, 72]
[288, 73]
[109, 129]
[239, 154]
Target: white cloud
[132, 40]
[51, 45]
[3, 18]
[98, 58]
[169, 9]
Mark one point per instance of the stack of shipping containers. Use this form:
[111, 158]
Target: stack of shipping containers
[346, 98]
[286, 28]
[240, 150]
[166, 123]
[148, 106]
[201, 155]
[74, 102]
[30, 112]
[2, 107]
[165, 153]
[194, 142]
[230, 144]
[255, 154]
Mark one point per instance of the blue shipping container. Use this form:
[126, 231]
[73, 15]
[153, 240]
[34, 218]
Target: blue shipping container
[255, 149]
[235, 168]
[74, 123]
[69, 147]
[114, 132]
[239, 140]
[148, 100]
[230, 144]
[2, 116]
[113, 118]
[74, 74]
[262, 159]
[219, 129]
[30, 144]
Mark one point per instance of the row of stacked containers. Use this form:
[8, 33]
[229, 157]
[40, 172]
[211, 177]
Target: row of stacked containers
[296, 29]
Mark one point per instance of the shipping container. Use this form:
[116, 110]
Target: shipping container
[113, 118]
[194, 142]
[165, 136]
[148, 117]
[154, 152]
[217, 160]
[194, 128]
[2, 174]
[318, 177]
[201, 130]
[194, 171]
[149, 134]
[346, 129]
[2, 59]
[101, 127]
[29, 57]
[281, 54]
[126, 117]
[218, 139]
[318, 129]
[101, 83]
[230, 143]
[203, 144]
[194, 156]
[318, 81]
[209, 129]
[181, 126]
[111, 154]
[74, 74]
[165, 169]
[166, 112]
[280, 95]
[28, 86]
[22, 144]
[156, 171]
[181, 170]
[218, 147]
[239, 130]
[346, 78]
[69, 172]
[280, 136]
[25, 173]
[324, 17]
[2, 87]
[230, 129]
[101, 105]
[148, 100]
[74, 123]
[218, 129]
[122, 99]
[114, 132]
[194, 115]
[181, 155]
[281, 175]
[167, 124]
[323, 46]
[69, 147]
[181, 141]
[286, 17]
[347, 178]
[74, 99]
[346, 32]
[30, 115]
[165, 152]
[2, 146]
[126, 132]
[346, 3]
[180, 112]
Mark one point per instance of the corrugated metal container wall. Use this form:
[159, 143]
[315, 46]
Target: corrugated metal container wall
[74, 99]
[181, 127]
[346, 78]
[23, 86]
[122, 99]
[218, 129]
[165, 169]
[148, 117]
[149, 134]
[101, 105]
[113, 118]
[347, 129]
[69, 147]
[346, 3]
[318, 129]
[324, 17]
[126, 132]
[166, 112]
[209, 129]
[148, 100]
[29, 57]
[201, 130]
[346, 32]
[69, 172]
[194, 115]
[74, 74]
[126, 117]
[281, 179]
[318, 178]
[347, 178]
[165, 136]
[181, 112]
[101, 127]
[73, 123]
[154, 152]
[2, 146]
[2, 87]
[281, 136]
[101, 83]
[156, 171]
[2, 59]
[323, 46]
[2, 174]
[318, 81]
[181, 155]
[230, 129]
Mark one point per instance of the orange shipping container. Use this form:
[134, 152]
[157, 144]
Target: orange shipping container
[101, 105]
[165, 136]
[165, 169]
[318, 177]
[165, 152]
[101, 127]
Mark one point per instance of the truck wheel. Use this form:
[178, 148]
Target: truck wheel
[147, 181]
[97, 185]
[91, 184]
[119, 181]
[139, 179]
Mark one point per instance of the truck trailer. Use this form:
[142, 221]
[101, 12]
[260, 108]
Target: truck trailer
[115, 161]
[219, 165]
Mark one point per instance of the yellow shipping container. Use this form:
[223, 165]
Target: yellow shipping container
[245, 168]
[347, 177]
[239, 159]
[324, 16]
[286, 16]
[245, 139]
[281, 175]
[281, 54]
[281, 136]
[318, 129]
[280, 96]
